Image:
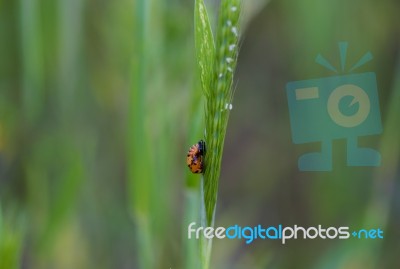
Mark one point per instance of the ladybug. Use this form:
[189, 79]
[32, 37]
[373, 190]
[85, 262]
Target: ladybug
[195, 157]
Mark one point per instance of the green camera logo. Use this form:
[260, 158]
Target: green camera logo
[342, 106]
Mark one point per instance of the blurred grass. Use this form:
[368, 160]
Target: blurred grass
[32, 59]
[140, 168]
[152, 121]
[11, 234]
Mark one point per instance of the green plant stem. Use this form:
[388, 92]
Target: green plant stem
[219, 99]
[216, 61]
[139, 176]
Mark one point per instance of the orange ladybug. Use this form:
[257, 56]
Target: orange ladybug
[195, 157]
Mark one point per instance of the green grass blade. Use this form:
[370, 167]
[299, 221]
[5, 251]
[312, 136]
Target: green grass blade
[205, 47]
[220, 98]
[216, 63]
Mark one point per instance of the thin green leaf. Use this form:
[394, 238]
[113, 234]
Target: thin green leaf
[205, 46]
[219, 100]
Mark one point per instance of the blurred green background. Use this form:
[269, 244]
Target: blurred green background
[99, 102]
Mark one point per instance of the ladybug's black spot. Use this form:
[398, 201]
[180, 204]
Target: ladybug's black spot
[202, 147]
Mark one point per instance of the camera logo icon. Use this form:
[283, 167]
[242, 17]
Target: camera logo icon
[337, 107]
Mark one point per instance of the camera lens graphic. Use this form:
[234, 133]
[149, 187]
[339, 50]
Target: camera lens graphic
[359, 96]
